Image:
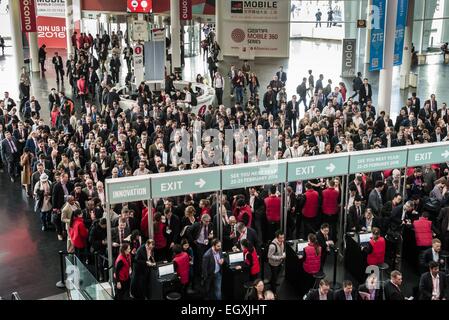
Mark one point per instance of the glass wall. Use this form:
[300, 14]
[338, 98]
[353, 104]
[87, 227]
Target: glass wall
[191, 39]
[317, 19]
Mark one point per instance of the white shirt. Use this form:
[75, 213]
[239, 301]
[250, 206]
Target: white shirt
[436, 286]
[435, 255]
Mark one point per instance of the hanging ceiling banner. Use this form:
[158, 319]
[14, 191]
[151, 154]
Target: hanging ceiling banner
[401, 21]
[185, 10]
[377, 41]
[28, 15]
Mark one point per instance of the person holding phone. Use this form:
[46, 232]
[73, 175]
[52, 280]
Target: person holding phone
[211, 271]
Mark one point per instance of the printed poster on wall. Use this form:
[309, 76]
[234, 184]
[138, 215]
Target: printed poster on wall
[258, 28]
[51, 27]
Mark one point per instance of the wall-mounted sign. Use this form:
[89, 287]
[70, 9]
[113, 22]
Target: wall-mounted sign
[140, 6]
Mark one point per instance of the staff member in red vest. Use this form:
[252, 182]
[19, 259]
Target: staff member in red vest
[329, 208]
[375, 249]
[122, 272]
[273, 212]
[181, 261]
[312, 255]
[423, 232]
[251, 259]
[310, 209]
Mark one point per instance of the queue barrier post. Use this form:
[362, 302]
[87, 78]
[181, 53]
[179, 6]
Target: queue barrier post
[61, 283]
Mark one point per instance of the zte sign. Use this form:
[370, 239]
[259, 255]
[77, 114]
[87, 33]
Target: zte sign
[28, 15]
[140, 6]
[185, 9]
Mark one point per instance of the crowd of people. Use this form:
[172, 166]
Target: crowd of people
[64, 162]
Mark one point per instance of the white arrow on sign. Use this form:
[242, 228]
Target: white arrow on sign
[331, 167]
[200, 183]
[445, 154]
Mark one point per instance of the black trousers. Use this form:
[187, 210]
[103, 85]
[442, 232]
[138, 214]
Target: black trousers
[13, 168]
[123, 293]
[309, 227]
[275, 271]
[272, 228]
[219, 94]
[59, 74]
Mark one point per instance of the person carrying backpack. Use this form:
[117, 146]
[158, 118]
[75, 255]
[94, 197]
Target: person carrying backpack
[276, 257]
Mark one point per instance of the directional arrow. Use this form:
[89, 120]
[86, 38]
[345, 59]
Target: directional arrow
[331, 167]
[200, 183]
[445, 154]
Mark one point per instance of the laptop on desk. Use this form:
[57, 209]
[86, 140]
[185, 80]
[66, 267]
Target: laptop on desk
[235, 259]
[166, 272]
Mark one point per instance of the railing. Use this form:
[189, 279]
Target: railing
[78, 280]
[15, 296]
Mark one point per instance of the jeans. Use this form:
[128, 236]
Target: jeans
[45, 218]
[239, 94]
[217, 285]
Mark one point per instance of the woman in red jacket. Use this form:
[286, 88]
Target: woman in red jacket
[78, 232]
[55, 113]
[82, 89]
[122, 272]
[181, 261]
[251, 259]
[159, 237]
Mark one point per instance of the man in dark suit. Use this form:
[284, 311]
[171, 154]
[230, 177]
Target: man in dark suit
[9, 102]
[92, 81]
[212, 262]
[322, 293]
[10, 155]
[59, 67]
[199, 236]
[53, 98]
[292, 113]
[433, 103]
[355, 214]
[416, 102]
[173, 227]
[282, 75]
[432, 285]
[347, 293]
[392, 288]
[433, 254]
[366, 92]
[249, 234]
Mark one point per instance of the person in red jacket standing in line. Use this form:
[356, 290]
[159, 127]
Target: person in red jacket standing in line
[375, 249]
[181, 261]
[82, 89]
[78, 233]
[160, 248]
[122, 272]
[329, 208]
[423, 232]
[273, 212]
[310, 209]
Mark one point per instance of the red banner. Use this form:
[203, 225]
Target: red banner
[140, 6]
[28, 15]
[185, 10]
[51, 32]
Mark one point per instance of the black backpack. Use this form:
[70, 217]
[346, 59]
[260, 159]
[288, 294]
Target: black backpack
[194, 101]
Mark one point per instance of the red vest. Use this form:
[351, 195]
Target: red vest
[330, 201]
[182, 263]
[377, 256]
[312, 263]
[246, 209]
[255, 268]
[273, 208]
[423, 232]
[159, 237]
[124, 271]
[310, 209]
